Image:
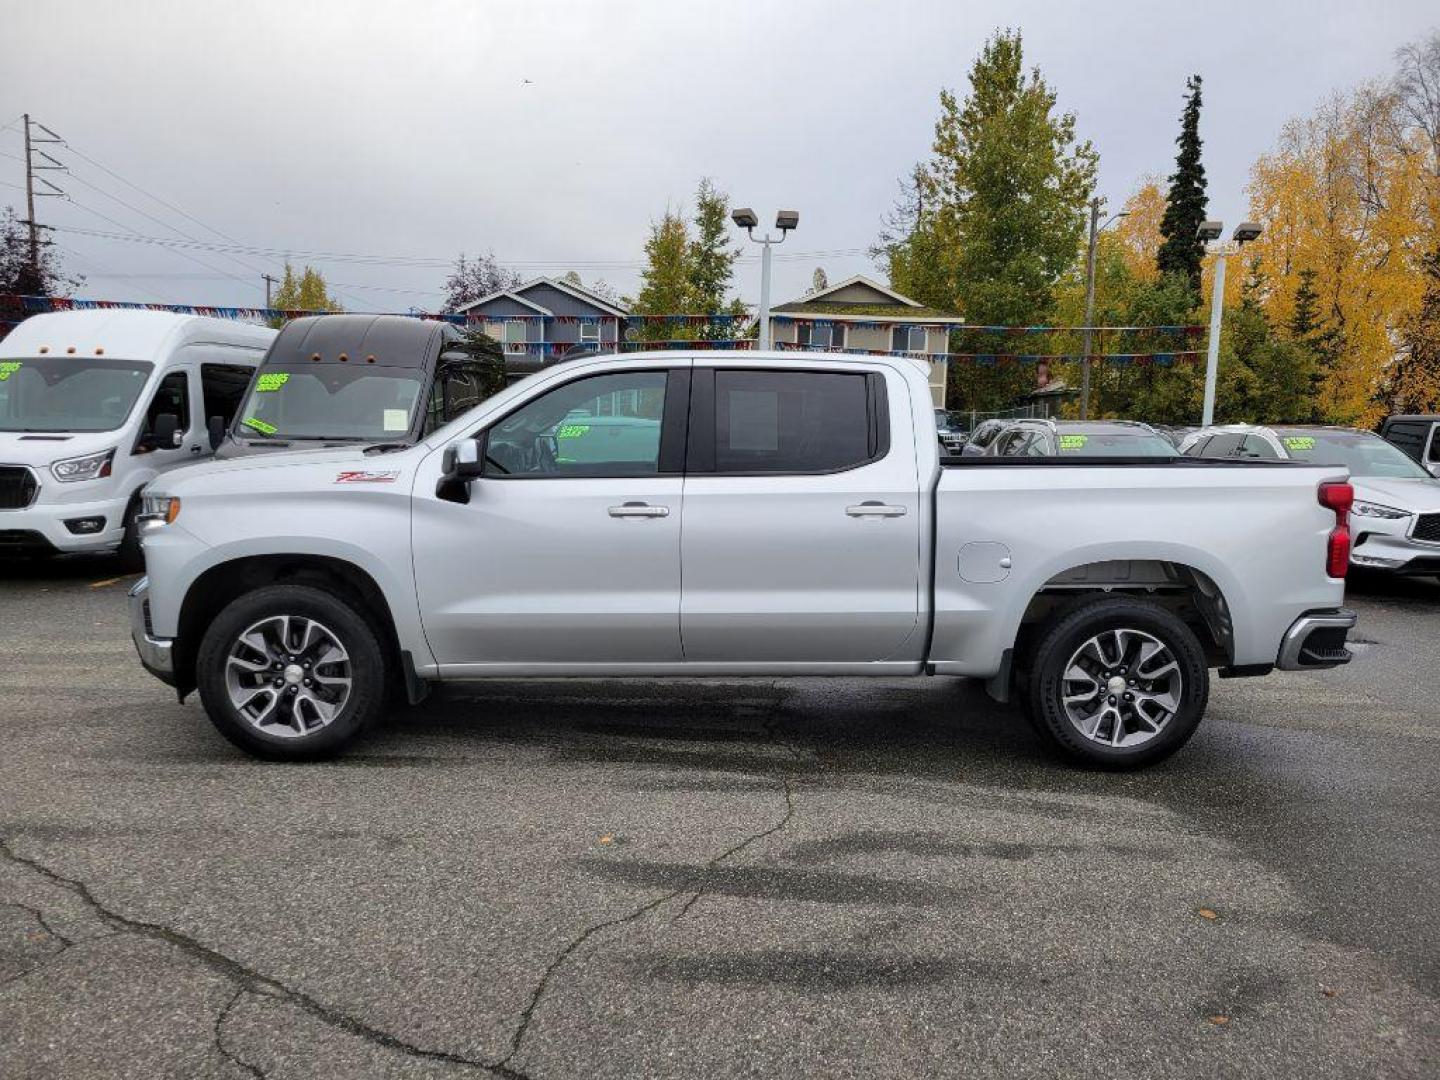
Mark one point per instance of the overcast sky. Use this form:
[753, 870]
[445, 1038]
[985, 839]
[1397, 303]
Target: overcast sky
[554, 131]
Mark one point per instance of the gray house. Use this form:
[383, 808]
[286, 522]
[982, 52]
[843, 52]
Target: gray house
[546, 318]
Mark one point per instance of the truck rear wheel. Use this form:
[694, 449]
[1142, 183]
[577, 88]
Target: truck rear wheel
[1118, 683]
[291, 673]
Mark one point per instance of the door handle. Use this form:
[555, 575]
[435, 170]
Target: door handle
[875, 509]
[639, 510]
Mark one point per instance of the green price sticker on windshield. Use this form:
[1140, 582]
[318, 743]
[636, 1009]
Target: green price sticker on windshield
[1299, 442]
[271, 380]
[260, 426]
[1073, 442]
[8, 368]
[572, 431]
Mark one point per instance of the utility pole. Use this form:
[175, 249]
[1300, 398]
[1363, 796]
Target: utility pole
[30, 179]
[1209, 234]
[268, 282]
[1089, 309]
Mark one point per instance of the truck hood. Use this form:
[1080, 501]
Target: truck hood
[1416, 494]
[40, 448]
[321, 467]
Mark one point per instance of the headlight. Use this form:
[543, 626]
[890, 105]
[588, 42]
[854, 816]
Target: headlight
[1375, 510]
[159, 509]
[89, 467]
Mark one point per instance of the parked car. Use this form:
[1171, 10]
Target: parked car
[818, 532]
[1417, 436]
[1081, 438]
[951, 429]
[96, 404]
[1396, 516]
[981, 438]
[1176, 434]
[331, 380]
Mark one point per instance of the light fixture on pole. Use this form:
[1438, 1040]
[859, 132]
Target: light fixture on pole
[1095, 230]
[785, 220]
[1209, 232]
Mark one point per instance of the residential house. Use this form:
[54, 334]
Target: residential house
[546, 319]
[860, 315]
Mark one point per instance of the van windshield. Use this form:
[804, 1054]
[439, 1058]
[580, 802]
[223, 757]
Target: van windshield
[69, 393]
[330, 402]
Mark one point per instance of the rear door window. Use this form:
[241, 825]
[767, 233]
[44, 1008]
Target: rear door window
[1409, 436]
[793, 422]
[1223, 445]
[1257, 447]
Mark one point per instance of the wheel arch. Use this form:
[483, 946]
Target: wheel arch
[224, 582]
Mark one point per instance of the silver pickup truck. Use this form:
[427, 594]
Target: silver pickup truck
[733, 514]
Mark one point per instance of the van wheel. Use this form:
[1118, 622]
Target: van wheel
[131, 557]
[1118, 683]
[291, 673]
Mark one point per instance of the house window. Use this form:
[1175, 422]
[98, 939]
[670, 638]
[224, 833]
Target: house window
[515, 335]
[909, 339]
[590, 333]
[820, 336]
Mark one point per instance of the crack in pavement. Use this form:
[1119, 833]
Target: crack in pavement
[523, 1026]
[225, 1051]
[248, 979]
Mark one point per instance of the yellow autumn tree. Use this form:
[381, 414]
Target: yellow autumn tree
[1348, 200]
[1137, 234]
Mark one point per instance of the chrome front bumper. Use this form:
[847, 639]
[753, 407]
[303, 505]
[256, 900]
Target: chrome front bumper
[1316, 640]
[156, 654]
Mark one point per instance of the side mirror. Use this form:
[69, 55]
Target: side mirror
[462, 460]
[166, 434]
[217, 431]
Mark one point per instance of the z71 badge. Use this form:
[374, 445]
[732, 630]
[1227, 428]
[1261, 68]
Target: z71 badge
[366, 477]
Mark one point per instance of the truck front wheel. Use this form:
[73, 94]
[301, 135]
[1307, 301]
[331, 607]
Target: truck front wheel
[1118, 683]
[291, 673]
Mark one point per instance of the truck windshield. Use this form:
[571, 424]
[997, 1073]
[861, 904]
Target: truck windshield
[1362, 453]
[69, 393]
[330, 402]
[1114, 444]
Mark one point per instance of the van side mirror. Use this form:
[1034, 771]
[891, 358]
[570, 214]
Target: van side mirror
[165, 434]
[217, 431]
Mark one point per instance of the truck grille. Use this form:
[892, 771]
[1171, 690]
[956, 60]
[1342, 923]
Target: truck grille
[1427, 527]
[17, 487]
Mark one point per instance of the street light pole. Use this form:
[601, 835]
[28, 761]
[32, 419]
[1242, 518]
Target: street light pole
[1209, 232]
[1212, 353]
[1089, 309]
[785, 220]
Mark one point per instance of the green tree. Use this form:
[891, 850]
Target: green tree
[1181, 251]
[304, 291]
[989, 223]
[665, 281]
[1310, 331]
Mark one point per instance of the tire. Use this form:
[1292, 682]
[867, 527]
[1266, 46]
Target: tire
[130, 555]
[295, 725]
[1134, 641]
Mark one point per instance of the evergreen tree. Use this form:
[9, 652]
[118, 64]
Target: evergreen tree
[1182, 251]
[711, 254]
[665, 281]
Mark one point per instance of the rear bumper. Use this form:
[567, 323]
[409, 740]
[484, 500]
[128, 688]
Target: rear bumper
[1316, 640]
[156, 654]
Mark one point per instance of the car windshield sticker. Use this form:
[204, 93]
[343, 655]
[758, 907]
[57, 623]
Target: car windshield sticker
[1299, 442]
[572, 431]
[1073, 442]
[260, 426]
[271, 380]
[396, 419]
[361, 477]
[8, 368]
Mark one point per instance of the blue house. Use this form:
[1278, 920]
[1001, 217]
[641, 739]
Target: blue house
[547, 318]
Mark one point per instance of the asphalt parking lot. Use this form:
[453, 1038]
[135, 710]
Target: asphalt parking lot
[794, 878]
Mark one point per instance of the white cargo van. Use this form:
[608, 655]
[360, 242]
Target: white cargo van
[96, 404]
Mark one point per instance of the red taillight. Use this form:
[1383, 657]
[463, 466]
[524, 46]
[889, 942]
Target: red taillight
[1338, 497]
